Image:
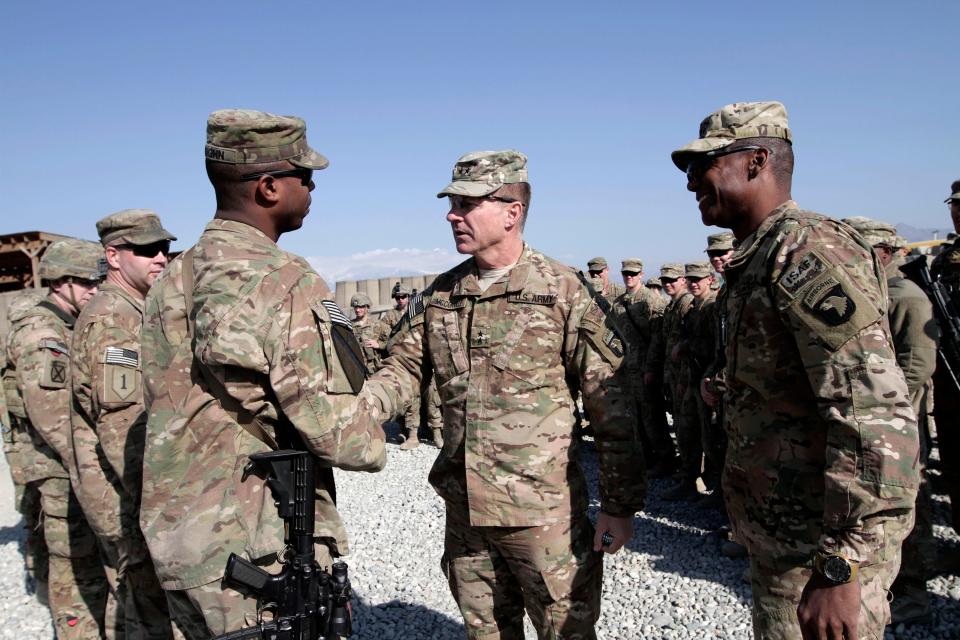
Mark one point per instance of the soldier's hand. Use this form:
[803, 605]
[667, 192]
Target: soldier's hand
[371, 344]
[706, 392]
[829, 611]
[619, 529]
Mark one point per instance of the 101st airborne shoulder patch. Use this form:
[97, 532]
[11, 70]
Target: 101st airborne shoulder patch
[828, 300]
[121, 375]
[56, 358]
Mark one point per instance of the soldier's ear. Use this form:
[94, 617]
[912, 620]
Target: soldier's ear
[268, 189]
[759, 160]
[113, 257]
[514, 215]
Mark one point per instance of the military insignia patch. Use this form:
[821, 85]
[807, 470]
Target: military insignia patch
[336, 315]
[125, 357]
[415, 307]
[55, 360]
[613, 343]
[58, 372]
[833, 306]
[797, 276]
[122, 383]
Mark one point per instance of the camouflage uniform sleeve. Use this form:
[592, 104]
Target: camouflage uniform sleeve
[595, 358]
[313, 384]
[43, 381]
[655, 352]
[832, 295]
[398, 380]
[93, 428]
[915, 336]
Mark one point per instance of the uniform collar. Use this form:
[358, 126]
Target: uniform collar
[120, 292]
[519, 276]
[750, 244]
[51, 306]
[239, 228]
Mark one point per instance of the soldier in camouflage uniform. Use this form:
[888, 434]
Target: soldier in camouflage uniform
[915, 334]
[821, 472]
[365, 330]
[38, 358]
[108, 418]
[412, 415]
[719, 250]
[511, 335]
[640, 310]
[599, 272]
[274, 365]
[697, 351]
[18, 446]
[664, 368]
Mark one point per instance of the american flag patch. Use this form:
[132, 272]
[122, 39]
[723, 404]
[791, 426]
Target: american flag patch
[336, 315]
[125, 357]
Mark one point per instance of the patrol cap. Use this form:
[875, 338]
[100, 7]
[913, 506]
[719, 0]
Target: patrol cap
[720, 241]
[735, 122]
[899, 242]
[671, 271]
[697, 270]
[654, 283]
[597, 264]
[954, 191]
[480, 173]
[875, 232]
[360, 300]
[73, 258]
[400, 289]
[132, 226]
[632, 264]
[244, 136]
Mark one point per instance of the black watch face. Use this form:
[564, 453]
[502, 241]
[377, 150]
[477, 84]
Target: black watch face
[836, 569]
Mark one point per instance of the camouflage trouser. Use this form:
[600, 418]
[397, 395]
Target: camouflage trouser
[212, 610]
[653, 412]
[78, 588]
[713, 440]
[686, 422]
[919, 554]
[434, 415]
[777, 591]
[142, 611]
[411, 417]
[497, 572]
[36, 556]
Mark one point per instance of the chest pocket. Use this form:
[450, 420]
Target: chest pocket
[54, 363]
[528, 348]
[121, 376]
[448, 352]
[757, 334]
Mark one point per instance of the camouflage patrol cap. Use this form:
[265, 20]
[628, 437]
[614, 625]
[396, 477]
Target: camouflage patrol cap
[735, 122]
[720, 241]
[632, 264]
[597, 264]
[73, 258]
[243, 136]
[954, 191]
[876, 233]
[697, 270]
[400, 289]
[654, 283]
[360, 300]
[899, 242]
[671, 271]
[480, 173]
[132, 226]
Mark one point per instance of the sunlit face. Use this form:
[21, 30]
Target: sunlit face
[360, 312]
[719, 183]
[719, 259]
[633, 280]
[76, 291]
[674, 287]
[402, 301]
[600, 276]
[477, 223]
[699, 287]
[139, 265]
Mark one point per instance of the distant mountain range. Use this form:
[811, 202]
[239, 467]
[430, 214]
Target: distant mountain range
[916, 234]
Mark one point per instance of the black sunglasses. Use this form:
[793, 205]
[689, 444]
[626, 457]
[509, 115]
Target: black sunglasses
[594, 272]
[699, 165]
[629, 273]
[305, 175]
[147, 250]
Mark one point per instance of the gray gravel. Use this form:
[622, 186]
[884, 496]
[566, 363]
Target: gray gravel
[669, 582]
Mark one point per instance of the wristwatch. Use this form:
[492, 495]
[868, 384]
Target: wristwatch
[835, 567]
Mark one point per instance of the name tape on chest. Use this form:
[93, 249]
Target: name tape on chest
[337, 316]
[124, 357]
[447, 303]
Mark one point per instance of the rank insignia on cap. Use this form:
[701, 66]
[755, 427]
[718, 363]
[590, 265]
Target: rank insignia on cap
[336, 315]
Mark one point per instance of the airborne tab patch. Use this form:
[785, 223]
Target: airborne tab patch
[797, 276]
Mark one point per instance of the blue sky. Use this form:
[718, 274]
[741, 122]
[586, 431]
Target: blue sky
[104, 106]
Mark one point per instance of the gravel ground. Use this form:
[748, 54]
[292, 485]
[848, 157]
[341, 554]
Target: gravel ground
[670, 581]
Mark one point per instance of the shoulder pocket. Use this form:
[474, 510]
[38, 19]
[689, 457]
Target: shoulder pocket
[55, 364]
[833, 308]
[346, 369]
[121, 376]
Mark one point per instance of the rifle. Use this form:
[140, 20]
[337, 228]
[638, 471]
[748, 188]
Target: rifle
[948, 353]
[304, 601]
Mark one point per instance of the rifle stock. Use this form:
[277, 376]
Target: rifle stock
[948, 320]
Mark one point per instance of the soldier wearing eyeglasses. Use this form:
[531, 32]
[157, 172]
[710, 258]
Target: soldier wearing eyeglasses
[821, 470]
[511, 337]
[108, 417]
[599, 272]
